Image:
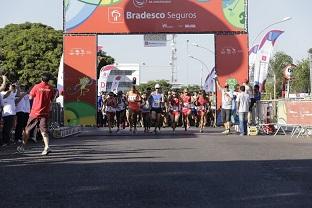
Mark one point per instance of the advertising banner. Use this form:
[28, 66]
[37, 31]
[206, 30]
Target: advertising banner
[231, 60]
[294, 112]
[80, 54]
[115, 84]
[154, 16]
[263, 57]
[155, 40]
[102, 81]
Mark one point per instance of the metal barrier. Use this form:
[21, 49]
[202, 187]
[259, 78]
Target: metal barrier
[264, 113]
[295, 114]
[287, 115]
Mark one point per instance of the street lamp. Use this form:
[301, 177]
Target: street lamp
[199, 46]
[274, 23]
[202, 68]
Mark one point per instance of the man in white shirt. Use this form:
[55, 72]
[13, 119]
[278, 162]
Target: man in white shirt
[227, 97]
[8, 112]
[243, 101]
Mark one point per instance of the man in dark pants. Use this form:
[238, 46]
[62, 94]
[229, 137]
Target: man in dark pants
[22, 113]
[42, 95]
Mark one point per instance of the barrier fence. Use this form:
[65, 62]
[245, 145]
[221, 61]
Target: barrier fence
[282, 116]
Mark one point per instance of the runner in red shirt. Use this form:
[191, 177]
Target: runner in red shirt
[202, 104]
[186, 108]
[174, 109]
[42, 95]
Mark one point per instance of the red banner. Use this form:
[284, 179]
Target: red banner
[154, 16]
[80, 54]
[231, 60]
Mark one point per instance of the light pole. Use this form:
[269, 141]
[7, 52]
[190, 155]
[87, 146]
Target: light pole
[202, 68]
[274, 23]
[310, 57]
[199, 46]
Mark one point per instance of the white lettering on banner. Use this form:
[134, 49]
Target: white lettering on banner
[159, 15]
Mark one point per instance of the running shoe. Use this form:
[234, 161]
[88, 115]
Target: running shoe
[20, 149]
[46, 151]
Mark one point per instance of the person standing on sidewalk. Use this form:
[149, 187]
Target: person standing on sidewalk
[8, 112]
[227, 98]
[243, 100]
[42, 95]
[22, 113]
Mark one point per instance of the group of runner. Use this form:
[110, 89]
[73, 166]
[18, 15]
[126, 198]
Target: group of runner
[154, 109]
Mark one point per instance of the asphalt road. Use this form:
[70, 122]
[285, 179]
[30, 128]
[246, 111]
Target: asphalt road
[186, 170]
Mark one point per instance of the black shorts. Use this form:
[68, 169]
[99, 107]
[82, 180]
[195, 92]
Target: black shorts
[226, 115]
[157, 110]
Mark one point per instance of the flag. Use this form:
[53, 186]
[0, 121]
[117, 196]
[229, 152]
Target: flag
[210, 82]
[263, 57]
[104, 73]
[115, 84]
[252, 55]
[60, 76]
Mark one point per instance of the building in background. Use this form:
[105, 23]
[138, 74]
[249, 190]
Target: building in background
[124, 74]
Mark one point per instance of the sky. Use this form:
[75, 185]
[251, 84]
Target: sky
[155, 61]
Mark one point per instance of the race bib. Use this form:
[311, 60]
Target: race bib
[132, 98]
[110, 109]
[156, 104]
[200, 107]
[186, 105]
[175, 108]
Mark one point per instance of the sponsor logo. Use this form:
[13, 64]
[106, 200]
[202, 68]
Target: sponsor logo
[115, 15]
[139, 3]
[78, 52]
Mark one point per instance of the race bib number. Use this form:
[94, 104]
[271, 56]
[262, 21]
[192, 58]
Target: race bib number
[201, 108]
[156, 104]
[175, 108]
[186, 105]
[110, 109]
[132, 98]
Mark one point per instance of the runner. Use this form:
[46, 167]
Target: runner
[194, 108]
[121, 110]
[42, 94]
[146, 111]
[202, 109]
[186, 108]
[110, 105]
[157, 101]
[134, 102]
[174, 109]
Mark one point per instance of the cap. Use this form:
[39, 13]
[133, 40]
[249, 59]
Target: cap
[157, 86]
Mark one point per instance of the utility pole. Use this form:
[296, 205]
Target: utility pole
[310, 57]
[173, 61]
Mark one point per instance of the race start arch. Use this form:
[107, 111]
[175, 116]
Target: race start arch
[85, 19]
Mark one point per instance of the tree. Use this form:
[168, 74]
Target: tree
[301, 77]
[279, 61]
[103, 60]
[164, 84]
[29, 49]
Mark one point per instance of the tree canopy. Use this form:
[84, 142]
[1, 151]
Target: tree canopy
[27, 50]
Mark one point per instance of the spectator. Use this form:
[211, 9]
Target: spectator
[243, 101]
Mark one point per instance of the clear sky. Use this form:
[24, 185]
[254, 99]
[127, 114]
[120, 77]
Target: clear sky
[295, 41]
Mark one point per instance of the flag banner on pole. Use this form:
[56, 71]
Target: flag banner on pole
[210, 83]
[104, 73]
[252, 55]
[115, 84]
[60, 76]
[263, 57]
